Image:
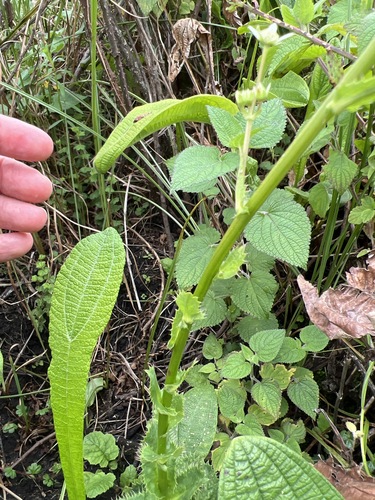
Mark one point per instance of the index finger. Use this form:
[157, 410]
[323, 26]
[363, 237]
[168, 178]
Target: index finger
[23, 141]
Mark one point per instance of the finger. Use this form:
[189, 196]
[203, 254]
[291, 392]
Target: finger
[14, 245]
[23, 141]
[17, 180]
[20, 216]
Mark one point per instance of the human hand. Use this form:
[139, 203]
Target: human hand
[21, 186]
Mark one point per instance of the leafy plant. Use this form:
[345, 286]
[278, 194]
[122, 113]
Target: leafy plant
[84, 295]
[226, 271]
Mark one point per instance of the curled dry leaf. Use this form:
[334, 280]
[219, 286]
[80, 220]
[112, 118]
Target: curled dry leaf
[351, 483]
[185, 32]
[348, 311]
[361, 278]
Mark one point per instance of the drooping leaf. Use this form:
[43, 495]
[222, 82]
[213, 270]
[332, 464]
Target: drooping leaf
[254, 295]
[267, 395]
[99, 448]
[84, 295]
[291, 89]
[314, 340]
[260, 468]
[340, 171]
[197, 168]
[304, 393]
[196, 251]
[218, 454]
[189, 306]
[281, 229]
[148, 118]
[269, 125]
[266, 344]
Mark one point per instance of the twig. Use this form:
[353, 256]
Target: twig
[33, 448]
[316, 41]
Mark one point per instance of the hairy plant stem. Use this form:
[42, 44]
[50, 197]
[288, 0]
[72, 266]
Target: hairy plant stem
[241, 188]
[331, 106]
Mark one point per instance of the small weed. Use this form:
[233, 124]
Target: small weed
[10, 428]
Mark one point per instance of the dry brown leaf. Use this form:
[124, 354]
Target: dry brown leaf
[361, 278]
[348, 311]
[351, 483]
[231, 15]
[185, 32]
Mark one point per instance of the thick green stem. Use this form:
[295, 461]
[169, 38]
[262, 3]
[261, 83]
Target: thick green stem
[328, 109]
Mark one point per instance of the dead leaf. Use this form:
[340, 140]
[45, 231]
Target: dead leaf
[230, 14]
[351, 483]
[185, 32]
[361, 278]
[348, 311]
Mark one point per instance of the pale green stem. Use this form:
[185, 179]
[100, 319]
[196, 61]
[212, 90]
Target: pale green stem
[241, 187]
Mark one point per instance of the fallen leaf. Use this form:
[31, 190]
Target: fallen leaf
[185, 32]
[351, 483]
[348, 311]
[361, 278]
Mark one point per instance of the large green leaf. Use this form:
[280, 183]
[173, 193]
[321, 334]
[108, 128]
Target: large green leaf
[259, 468]
[197, 168]
[196, 251]
[84, 294]
[266, 344]
[269, 125]
[304, 392]
[291, 89]
[144, 120]
[254, 295]
[304, 11]
[281, 229]
[340, 170]
[366, 31]
[197, 429]
[267, 394]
